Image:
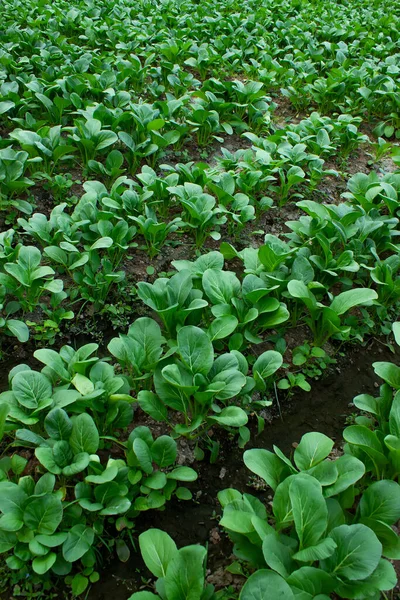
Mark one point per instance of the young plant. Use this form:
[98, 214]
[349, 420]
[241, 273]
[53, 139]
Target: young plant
[320, 538]
[27, 280]
[324, 321]
[180, 573]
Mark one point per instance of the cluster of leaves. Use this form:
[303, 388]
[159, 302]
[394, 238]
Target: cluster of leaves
[72, 409]
[329, 528]
[119, 94]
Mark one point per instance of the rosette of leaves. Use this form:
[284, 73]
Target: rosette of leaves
[201, 212]
[174, 300]
[139, 351]
[27, 280]
[318, 540]
[146, 480]
[70, 444]
[42, 535]
[200, 386]
[32, 396]
[180, 573]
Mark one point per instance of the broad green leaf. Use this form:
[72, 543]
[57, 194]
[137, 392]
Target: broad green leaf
[222, 327]
[164, 451]
[43, 514]
[278, 556]
[357, 554]
[323, 549]
[266, 585]
[310, 512]
[356, 297]
[30, 388]
[311, 580]
[158, 549]
[349, 471]
[58, 425]
[312, 449]
[84, 436]
[79, 540]
[266, 465]
[396, 332]
[12, 498]
[182, 474]
[143, 454]
[184, 579]
[231, 416]
[42, 564]
[196, 350]
[389, 373]
[152, 405]
[19, 329]
[381, 501]
[4, 410]
[268, 363]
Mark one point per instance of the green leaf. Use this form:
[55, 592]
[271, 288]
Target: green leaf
[312, 581]
[357, 554]
[52, 541]
[30, 388]
[107, 475]
[389, 373]
[79, 540]
[268, 363]
[222, 327]
[151, 404]
[323, 549]
[4, 410]
[184, 579]
[53, 360]
[57, 424]
[266, 585]
[278, 556]
[349, 471]
[84, 436]
[122, 549]
[312, 449]
[156, 481]
[158, 549]
[82, 384]
[196, 349]
[183, 493]
[356, 297]
[42, 564]
[164, 451]
[183, 474]
[8, 540]
[231, 416]
[143, 454]
[381, 501]
[310, 512]
[266, 465]
[43, 514]
[144, 596]
[79, 584]
[396, 332]
[19, 329]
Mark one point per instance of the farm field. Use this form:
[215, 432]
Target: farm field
[199, 300]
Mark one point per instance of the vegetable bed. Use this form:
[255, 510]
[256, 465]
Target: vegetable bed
[199, 295]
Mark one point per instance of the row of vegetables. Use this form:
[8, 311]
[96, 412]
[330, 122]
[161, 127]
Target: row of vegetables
[130, 130]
